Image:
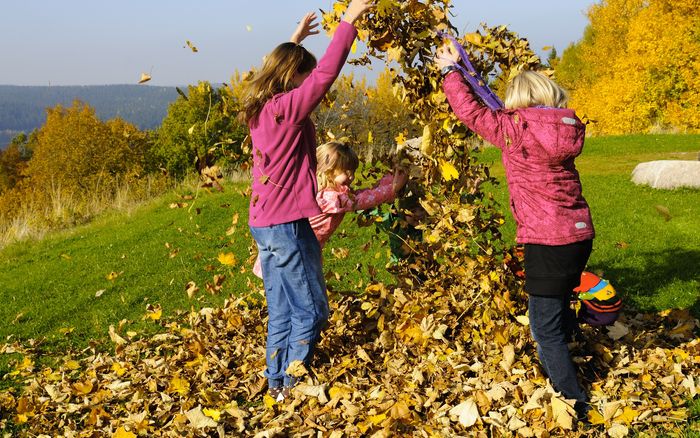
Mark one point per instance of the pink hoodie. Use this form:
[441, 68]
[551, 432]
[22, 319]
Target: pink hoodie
[284, 142]
[539, 147]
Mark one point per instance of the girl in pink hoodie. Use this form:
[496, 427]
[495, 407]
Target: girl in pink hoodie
[539, 138]
[279, 100]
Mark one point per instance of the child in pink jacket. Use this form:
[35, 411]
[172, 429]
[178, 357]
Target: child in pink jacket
[539, 138]
[337, 164]
[279, 100]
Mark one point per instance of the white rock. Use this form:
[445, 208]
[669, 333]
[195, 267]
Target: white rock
[668, 174]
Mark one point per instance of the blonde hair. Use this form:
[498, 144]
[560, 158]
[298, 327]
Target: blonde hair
[531, 88]
[333, 158]
[276, 76]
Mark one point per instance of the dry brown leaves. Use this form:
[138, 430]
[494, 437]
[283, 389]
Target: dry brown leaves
[392, 362]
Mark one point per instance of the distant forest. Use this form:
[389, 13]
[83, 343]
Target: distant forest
[22, 108]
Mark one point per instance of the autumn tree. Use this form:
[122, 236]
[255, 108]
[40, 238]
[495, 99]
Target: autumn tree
[368, 116]
[13, 160]
[636, 69]
[200, 129]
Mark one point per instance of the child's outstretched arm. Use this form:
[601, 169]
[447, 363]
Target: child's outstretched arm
[384, 191]
[299, 103]
[497, 127]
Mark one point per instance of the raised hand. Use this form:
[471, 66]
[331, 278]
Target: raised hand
[446, 55]
[356, 9]
[306, 27]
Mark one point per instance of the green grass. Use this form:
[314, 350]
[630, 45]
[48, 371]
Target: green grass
[652, 262]
[49, 286]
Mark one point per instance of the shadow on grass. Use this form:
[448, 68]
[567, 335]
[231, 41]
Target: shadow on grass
[669, 277]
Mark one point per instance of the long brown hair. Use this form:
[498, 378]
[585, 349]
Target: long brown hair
[275, 76]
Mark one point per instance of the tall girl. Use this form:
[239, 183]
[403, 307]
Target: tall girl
[539, 138]
[279, 100]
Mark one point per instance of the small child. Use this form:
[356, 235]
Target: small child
[540, 138]
[337, 164]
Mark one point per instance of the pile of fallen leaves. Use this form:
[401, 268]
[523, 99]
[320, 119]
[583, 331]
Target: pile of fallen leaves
[392, 362]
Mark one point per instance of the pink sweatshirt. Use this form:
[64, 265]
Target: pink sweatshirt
[335, 203]
[539, 147]
[284, 142]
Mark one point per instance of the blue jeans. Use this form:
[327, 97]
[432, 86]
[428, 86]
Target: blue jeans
[297, 305]
[552, 322]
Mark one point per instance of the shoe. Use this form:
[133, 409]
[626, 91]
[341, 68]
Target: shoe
[279, 393]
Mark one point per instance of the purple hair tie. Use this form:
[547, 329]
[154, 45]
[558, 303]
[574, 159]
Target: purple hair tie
[473, 77]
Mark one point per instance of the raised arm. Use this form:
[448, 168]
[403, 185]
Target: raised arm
[299, 103]
[500, 128]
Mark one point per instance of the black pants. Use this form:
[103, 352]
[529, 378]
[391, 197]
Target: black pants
[551, 273]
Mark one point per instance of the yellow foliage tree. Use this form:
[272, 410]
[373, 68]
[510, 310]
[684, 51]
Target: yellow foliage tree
[637, 67]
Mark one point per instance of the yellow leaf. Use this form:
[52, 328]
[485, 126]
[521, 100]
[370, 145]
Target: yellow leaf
[377, 419]
[426, 144]
[118, 369]
[155, 314]
[178, 385]
[627, 416]
[370, 139]
[400, 139]
[72, 364]
[227, 259]
[353, 48]
[82, 388]
[191, 130]
[595, 418]
[191, 46]
[145, 77]
[449, 172]
[22, 418]
[214, 414]
[123, 433]
[269, 401]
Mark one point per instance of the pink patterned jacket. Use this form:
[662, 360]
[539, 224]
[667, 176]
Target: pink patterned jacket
[539, 147]
[335, 203]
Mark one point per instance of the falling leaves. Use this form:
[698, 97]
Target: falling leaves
[145, 77]
[192, 47]
[664, 211]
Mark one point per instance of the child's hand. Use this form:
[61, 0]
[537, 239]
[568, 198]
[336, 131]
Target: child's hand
[400, 180]
[306, 27]
[356, 9]
[446, 55]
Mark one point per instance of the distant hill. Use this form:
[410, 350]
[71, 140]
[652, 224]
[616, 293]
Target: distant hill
[22, 108]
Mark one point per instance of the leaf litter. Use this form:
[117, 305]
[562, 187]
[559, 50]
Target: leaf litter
[392, 361]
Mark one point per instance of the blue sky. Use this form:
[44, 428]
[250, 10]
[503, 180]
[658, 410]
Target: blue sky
[92, 42]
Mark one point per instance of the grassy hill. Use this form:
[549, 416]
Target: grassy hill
[71, 286]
